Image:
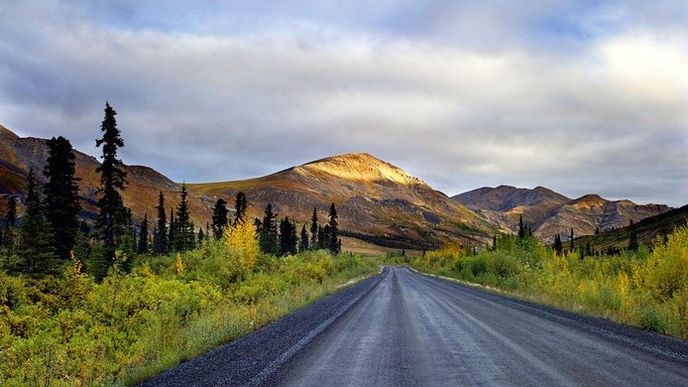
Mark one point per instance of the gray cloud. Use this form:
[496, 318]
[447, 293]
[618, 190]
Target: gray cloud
[604, 112]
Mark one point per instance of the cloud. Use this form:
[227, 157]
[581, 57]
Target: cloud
[588, 104]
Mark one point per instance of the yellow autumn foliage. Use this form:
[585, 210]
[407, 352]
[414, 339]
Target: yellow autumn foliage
[242, 240]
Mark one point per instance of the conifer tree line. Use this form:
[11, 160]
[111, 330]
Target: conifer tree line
[50, 232]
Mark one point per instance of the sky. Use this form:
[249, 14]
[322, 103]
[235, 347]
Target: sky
[577, 96]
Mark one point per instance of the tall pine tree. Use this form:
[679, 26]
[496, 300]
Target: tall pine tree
[240, 208]
[142, 246]
[268, 232]
[172, 232]
[521, 227]
[220, 218]
[314, 229]
[287, 237]
[185, 235]
[112, 217]
[37, 255]
[61, 195]
[160, 241]
[333, 233]
[303, 244]
[10, 223]
[632, 238]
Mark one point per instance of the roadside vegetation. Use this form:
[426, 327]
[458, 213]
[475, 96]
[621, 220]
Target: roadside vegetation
[644, 288]
[108, 301]
[68, 329]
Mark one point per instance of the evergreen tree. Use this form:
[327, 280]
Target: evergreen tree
[240, 208]
[322, 237]
[521, 227]
[10, 223]
[571, 247]
[558, 246]
[112, 216]
[314, 229]
[287, 237]
[185, 237]
[36, 249]
[632, 238]
[303, 245]
[494, 242]
[172, 235]
[333, 232]
[160, 241]
[268, 235]
[61, 195]
[597, 230]
[201, 236]
[220, 218]
[142, 247]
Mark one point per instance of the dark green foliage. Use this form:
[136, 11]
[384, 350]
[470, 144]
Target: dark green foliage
[558, 246]
[36, 239]
[521, 227]
[185, 237]
[333, 234]
[322, 237]
[268, 232]
[142, 246]
[61, 195]
[632, 238]
[8, 231]
[287, 237]
[571, 247]
[201, 236]
[494, 242]
[112, 217]
[303, 244]
[314, 229]
[172, 232]
[240, 208]
[160, 241]
[220, 217]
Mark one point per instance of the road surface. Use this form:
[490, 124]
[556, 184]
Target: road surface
[402, 328]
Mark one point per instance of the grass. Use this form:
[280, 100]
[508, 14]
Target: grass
[68, 330]
[647, 289]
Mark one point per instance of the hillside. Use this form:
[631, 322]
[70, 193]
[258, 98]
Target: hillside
[374, 198]
[648, 230]
[549, 212]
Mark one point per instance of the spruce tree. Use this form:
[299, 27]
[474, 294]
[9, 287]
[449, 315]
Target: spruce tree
[558, 246]
[303, 245]
[61, 193]
[37, 254]
[112, 216]
[287, 237]
[10, 223]
[240, 208]
[184, 231]
[201, 236]
[333, 232]
[571, 247]
[160, 241]
[220, 218]
[142, 247]
[632, 238]
[314, 229]
[494, 242]
[322, 237]
[268, 234]
[172, 235]
[521, 227]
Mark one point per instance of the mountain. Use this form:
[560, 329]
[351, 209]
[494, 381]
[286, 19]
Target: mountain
[372, 197]
[549, 212]
[18, 154]
[647, 230]
[377, 202]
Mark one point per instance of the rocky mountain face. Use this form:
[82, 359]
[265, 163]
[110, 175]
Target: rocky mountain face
[375, 199]
[549, 212]
[372, 197]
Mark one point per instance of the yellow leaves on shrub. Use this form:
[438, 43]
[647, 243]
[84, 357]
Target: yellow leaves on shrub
[242, 240]
[179, 264]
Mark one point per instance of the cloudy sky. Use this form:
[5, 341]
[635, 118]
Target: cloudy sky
[577, 96]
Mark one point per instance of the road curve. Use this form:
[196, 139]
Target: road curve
[407, 329]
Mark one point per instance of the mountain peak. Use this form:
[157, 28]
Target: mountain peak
[6, 133]
[360, 167]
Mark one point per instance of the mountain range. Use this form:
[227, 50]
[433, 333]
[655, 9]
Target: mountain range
[377, 202]
[548, 212]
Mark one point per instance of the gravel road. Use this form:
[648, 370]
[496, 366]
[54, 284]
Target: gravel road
[402, 328]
